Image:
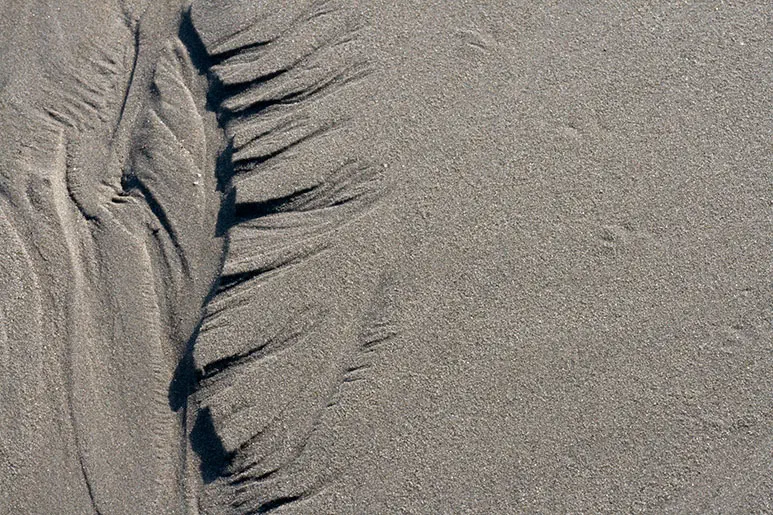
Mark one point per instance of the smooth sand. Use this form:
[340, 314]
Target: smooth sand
[378, 257]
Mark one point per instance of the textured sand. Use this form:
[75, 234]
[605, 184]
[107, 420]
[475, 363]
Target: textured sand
[338, 256]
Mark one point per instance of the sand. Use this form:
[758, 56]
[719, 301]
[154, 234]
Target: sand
[337, 256]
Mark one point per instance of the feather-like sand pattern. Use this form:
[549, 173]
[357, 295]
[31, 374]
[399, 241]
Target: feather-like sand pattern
[280, 331]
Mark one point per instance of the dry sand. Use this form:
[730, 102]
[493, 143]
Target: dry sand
[339, 256]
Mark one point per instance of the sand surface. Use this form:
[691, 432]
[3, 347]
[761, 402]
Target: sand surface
[340, 256]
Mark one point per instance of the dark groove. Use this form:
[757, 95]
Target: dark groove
[224, 364]
[274, 504]
[368, 345]
[356, 71]
[88, 485]
[318, 89]
[218, 366]
[256, 108]
[261, 79]
[246, 211]
[234, 280]
[253, 162]
[235, 89]
[254, 479]
[229, 281]
[281, 126]
[219, 57]
[224, 41]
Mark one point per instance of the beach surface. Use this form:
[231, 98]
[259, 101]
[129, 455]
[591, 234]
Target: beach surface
[340, 256]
